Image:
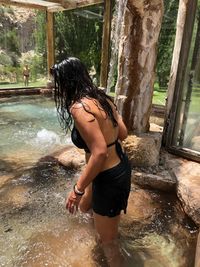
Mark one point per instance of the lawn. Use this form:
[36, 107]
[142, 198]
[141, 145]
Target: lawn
[158, 97]
[21, 84]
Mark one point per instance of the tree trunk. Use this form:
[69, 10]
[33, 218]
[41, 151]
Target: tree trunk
[137, 57]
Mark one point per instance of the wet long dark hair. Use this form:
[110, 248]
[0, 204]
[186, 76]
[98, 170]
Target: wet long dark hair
[72, 83]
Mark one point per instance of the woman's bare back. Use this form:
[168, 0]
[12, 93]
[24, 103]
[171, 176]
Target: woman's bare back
[109, 131]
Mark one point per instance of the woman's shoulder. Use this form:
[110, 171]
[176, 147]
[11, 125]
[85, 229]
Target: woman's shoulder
[83, 105]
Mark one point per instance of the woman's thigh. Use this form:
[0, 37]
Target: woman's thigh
[106, 227]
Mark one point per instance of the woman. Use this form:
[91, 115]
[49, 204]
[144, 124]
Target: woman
[104, 184]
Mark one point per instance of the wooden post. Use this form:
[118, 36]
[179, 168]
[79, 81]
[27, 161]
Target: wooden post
[105, 44]
[50, 41]
[140, 26]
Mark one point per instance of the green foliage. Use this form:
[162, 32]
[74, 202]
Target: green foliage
[40, 32]
[11, 59]
[40, 40]
[79, 34]
[36, 67]
[5, 59]
[9, 74]
[166, 42]
[12, 42]
[9, 39]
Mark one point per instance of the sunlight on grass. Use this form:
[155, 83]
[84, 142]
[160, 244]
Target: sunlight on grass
[159, 98]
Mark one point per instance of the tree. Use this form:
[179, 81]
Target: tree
[166, 42]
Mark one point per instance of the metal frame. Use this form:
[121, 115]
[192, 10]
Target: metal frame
[171, 117]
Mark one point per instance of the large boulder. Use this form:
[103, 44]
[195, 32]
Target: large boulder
[188, 185]
[72, 158]
[162, 181]
[143, 150]
[141, 207]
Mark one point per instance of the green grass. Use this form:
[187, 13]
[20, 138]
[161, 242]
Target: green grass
[159, 97]
[159, 94]
[195, 104]
[112, 94]
[21, 84]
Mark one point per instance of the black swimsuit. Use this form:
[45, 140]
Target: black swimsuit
[80, 143]
[110, 188]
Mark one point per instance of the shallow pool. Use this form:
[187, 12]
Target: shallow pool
[36, 230]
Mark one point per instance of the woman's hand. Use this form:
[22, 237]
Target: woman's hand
[72, 202]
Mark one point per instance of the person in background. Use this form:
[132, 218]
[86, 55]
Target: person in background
[26, 74]
[104, 184]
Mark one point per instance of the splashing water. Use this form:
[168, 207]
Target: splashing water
[36, 230]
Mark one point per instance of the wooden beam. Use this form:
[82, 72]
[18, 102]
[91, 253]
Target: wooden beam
[56, 1]
[35, 4]
[105, 44]
[90, 2]
[55, 8]
[50, 41]
[67, 5]
[51, 5]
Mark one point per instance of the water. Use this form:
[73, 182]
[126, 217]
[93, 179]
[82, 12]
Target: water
[36, 230]
[116, 27]
[29, 124]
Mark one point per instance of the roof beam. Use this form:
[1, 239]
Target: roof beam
[35, 4]
[51, 5]
[81, 3]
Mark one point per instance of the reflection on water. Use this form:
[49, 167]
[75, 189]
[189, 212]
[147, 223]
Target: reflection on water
[35, 229]
[29, 128]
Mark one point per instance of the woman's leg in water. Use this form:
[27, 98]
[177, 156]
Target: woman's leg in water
[107, 230]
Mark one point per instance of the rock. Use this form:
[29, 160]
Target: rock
[5, 178]
[72, 158]
[163, 182]
[187, 174]
[46, 90]
[143, 150]
[15, 197]
[156, 128]
[50, 84]
[141, 208]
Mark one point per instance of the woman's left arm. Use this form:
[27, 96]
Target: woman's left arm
[90, 131]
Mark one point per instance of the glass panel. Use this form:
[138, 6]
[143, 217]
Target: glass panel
[79, 33]
[165, 51]
[22, 42]
[187, 127]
